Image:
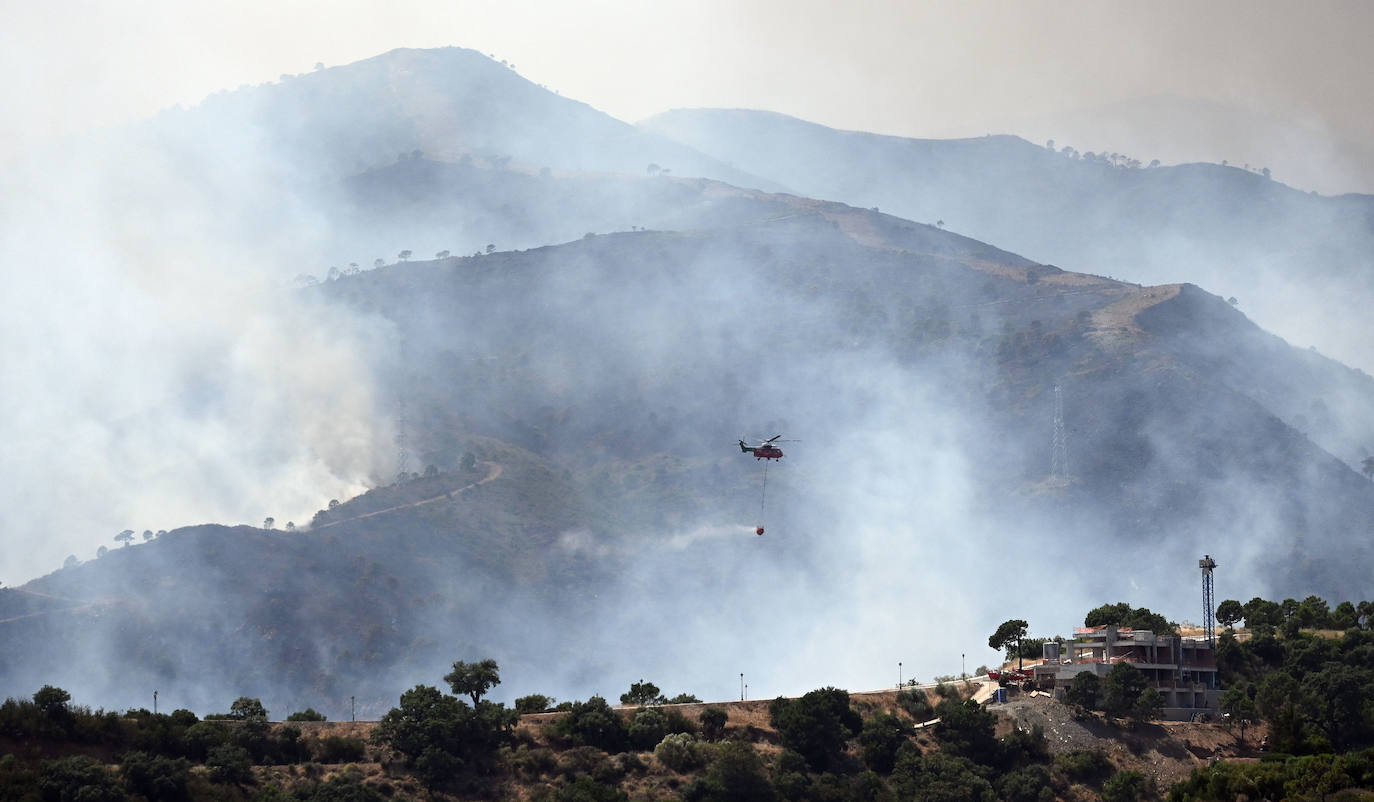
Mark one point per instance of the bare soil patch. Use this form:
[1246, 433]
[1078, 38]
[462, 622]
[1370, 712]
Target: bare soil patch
[1116, 323]
[1167, 751]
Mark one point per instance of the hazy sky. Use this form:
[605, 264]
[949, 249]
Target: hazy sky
[1287, 82]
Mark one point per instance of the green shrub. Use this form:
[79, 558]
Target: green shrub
[585, 789]
[629, 763]
[643, 693]
[160, 779]
[532, 763]
[1027, 784]
[967, 729]
[338, 749]
[1083, 765]
[713, 721]
[1020, 746]
[201, 737]
[15, 777]
[343, 787]
[817, 726]
[681, 752]
[246, 707]
[76, 779]
[52, 701]
[647, 728]
[677, 722]
[937, 775]
[230, 765]
[593, 723]
[429, 722]
[183, 717]
[588, 761]
[437, 767]
[736, 773]
[534, 703]
[915, 703]
[880, 739]
[1125, 786]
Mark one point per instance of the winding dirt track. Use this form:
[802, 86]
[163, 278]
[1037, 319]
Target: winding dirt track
[494, 471]
[76, 604]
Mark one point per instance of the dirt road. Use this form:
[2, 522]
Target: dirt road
[494, 471]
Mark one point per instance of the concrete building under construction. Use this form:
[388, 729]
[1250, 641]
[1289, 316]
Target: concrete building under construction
[1183, 670]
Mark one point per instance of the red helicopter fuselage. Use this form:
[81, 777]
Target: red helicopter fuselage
[764, 450]
[767, 452]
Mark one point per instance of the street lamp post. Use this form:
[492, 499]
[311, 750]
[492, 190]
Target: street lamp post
[963, 670]
[741, 686]
[899, 675]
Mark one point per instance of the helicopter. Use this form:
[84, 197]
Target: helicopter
[765, 449]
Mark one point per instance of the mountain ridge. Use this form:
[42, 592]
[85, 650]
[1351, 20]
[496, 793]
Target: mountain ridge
[1292, 256]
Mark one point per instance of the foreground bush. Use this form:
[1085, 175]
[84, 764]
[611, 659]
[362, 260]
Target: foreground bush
[681, 752]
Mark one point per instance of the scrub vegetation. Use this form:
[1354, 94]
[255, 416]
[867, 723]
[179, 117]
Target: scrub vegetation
[1296, 682]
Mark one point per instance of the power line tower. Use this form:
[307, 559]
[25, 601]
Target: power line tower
[402, 420]
[1059, 449]
[1209, 625]
[402, 447]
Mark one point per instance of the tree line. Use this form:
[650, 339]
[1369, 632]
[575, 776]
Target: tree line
[831, 748]
[1307, 670]
[1312, 689]
[455, 741]
[59, 749]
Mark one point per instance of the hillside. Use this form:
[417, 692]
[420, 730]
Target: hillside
[608, 378]
[1148, 400]
[1290, 257]
[325, 612]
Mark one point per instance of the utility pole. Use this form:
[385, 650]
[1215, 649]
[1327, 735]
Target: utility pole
[741, 686]
[352, 709]
[155, 703]
[963, 670]
[899, 675]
